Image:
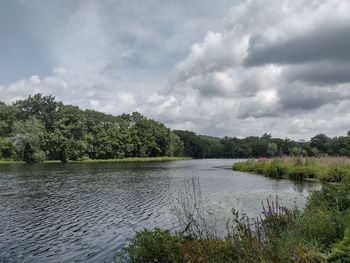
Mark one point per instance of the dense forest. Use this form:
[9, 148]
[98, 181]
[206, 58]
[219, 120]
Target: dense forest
[40, 128]
[200, 146]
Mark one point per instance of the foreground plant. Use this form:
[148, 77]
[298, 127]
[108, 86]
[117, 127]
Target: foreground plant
[341, 251]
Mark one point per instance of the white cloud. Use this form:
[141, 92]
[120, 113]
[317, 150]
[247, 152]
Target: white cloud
[251, 67]
[259, 74]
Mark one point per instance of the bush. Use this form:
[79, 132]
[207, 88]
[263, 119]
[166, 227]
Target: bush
[155, 246]
[337, 174]
[341, 250]
[301, 172]
[39, 156]
[275, 169]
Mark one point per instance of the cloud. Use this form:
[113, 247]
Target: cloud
[263, 104]
[326, 43]
[279, 62]
[320, 73]
[87, 97]
[217, 52]
[307, 97]
[233, 68]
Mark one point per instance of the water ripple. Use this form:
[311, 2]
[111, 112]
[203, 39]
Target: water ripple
[86, 212]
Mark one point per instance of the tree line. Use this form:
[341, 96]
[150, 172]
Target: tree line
[41, 128]
[200, 146]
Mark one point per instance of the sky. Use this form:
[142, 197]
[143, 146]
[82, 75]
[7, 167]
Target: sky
[224, 67]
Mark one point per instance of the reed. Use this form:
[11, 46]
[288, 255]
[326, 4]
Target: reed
[327, 169]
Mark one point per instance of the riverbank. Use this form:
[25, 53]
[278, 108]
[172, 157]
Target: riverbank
[123, 160]
[10, 162]
[326, 169]
[319, 233]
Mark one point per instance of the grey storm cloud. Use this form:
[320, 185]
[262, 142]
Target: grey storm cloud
[239, 68]
[301, 97]
[325, 43]
[319, 73]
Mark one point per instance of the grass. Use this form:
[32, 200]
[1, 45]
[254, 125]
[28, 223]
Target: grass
[319, 233]
[134, 159]
[124, 160]
[327, 169]
[9, 162]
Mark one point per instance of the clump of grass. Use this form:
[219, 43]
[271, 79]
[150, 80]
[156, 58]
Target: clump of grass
[325, 169]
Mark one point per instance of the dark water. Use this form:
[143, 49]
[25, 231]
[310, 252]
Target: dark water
[86, 212]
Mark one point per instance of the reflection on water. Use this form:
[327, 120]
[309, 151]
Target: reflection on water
[85, 212]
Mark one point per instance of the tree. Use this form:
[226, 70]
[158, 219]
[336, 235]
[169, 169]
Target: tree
[43, 108]
[176, 146]
[29, 139]
[272, 149]
[193, 144]
[321, 142]
[7, 149]
[8, 115]
[40, 127]
[297, 151]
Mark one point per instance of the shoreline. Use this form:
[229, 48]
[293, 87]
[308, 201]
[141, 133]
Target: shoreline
[123, 160]
[325, 170]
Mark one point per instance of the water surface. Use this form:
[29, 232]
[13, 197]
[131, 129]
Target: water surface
[86, 212]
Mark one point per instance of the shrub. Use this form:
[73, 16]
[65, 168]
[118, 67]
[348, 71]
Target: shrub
[341, 251]
[39, 156]
[337, 174]
[301, 172]
[275, 169]
[155, 246]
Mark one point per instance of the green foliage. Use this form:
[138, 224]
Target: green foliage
[8, 115]
[193, 144]
[7, 149]
[155, 246]
[341, 251]
[297, 151]
[40, 128]
[29, 140]
[38, 106]
[321, 142]
[200, 146]
[71, 134]
[337, 174]
[272, 149]
[301, 172]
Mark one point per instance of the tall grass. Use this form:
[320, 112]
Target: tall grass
[329, 169]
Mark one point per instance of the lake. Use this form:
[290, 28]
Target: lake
[86, 212]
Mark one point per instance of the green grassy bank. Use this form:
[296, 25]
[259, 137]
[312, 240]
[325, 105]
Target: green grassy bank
[318, 233]
[124, 160]
[328, 169]
[9, 162]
